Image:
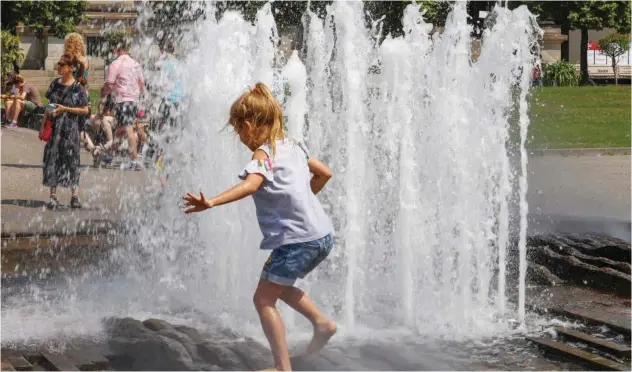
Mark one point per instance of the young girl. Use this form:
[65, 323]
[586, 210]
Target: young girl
[294, 224]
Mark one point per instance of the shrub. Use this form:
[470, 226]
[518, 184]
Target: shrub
[562, 72]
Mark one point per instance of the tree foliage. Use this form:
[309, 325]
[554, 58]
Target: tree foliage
[614, 46]
[436, 12]
[575, 15]
[59, 17]
[11, 53]
[583, 16]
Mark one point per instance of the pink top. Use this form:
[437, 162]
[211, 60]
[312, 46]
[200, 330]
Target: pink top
[126, 77]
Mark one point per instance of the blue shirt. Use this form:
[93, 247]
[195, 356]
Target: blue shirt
[169, 66]
[287, 210]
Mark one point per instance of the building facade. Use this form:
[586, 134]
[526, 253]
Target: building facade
[42, 54]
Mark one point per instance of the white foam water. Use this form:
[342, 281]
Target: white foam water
[418, 136]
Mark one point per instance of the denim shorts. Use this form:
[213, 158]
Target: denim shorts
[292, 261]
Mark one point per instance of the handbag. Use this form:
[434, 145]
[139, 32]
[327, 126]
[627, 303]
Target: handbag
[46, 130]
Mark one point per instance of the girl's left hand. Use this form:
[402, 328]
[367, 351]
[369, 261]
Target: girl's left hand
[58, 110]
[195, 204]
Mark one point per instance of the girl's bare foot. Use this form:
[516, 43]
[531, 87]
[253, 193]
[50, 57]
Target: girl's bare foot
[322, 334]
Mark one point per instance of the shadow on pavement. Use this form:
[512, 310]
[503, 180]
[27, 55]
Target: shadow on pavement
[22, 166]
[24, 203]
[615, 228]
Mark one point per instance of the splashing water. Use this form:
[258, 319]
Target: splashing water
[418, 137]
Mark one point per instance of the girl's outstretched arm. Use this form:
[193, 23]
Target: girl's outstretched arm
[321, 173]
[245, 188]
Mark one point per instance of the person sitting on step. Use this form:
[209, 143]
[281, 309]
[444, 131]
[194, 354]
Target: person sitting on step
[24, 97]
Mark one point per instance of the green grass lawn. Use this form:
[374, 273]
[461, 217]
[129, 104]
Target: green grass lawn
[95, 97]
[569, 117]
[589, 116]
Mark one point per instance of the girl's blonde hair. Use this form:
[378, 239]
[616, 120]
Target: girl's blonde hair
[74, 45]
[258, 116]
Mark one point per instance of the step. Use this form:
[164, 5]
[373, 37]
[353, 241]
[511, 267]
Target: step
[6, 366]
[610, 347]
[578, 355]
[588, 317]
[58, 362]
[19, 363]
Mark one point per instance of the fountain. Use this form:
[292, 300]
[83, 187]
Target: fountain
[424, 192]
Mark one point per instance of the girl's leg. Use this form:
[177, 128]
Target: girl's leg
[265, 299]
[324, 328]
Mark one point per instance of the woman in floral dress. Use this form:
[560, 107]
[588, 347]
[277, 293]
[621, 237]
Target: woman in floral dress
[61, 154]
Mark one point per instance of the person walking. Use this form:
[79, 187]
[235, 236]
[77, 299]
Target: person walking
[126, 83]
[61, 153]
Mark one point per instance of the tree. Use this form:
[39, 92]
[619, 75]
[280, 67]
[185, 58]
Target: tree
[614, 46]
[583, 16]
[436, 12]
[53, 17]
[171, 14]
[11, 53]
[391, 12]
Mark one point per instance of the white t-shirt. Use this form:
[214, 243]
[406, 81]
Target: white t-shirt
[287, 210]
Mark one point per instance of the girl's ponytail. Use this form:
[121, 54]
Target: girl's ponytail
[276, 129]
[258, 116]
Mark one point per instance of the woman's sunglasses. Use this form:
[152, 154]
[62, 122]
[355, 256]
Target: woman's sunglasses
[61, 64]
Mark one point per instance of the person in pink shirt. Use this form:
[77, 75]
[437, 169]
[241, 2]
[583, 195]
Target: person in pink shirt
[126, 82]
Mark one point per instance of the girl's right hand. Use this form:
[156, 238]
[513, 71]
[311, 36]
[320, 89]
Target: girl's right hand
[195, 204]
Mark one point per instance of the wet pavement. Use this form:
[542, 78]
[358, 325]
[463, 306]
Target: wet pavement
[602, 308]
[589, 193]
[580, 194]
[24, 196]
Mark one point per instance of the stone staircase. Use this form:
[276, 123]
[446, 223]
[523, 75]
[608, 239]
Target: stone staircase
[597, 347]
[41, 78]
